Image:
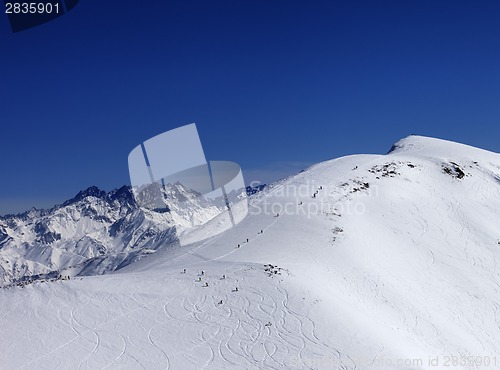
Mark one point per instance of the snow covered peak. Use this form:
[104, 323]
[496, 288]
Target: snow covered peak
[92, 191]
[438, 148]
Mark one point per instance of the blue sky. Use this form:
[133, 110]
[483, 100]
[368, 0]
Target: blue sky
[272, 85]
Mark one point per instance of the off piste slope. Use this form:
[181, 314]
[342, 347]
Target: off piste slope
[367, 261]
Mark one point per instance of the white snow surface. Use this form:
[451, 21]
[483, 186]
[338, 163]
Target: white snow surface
[394, 261]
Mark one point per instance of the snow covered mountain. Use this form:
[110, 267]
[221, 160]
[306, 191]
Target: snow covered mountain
[93, 233]
[366, 261]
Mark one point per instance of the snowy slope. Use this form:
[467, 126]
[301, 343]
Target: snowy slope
[377, 261]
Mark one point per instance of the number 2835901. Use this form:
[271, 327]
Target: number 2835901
[31, 8]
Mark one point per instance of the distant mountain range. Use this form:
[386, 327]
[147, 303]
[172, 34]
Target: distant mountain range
[93, 233]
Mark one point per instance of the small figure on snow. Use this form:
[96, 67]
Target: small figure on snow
[220, 302]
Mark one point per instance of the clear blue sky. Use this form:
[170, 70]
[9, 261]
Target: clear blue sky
[272, 85]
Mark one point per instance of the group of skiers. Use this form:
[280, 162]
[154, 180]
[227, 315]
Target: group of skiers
[224, 276]
[221, 302]
[206, 282]
[316, 192]
[248, 240]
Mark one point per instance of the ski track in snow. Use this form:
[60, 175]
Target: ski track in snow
[234, 331]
